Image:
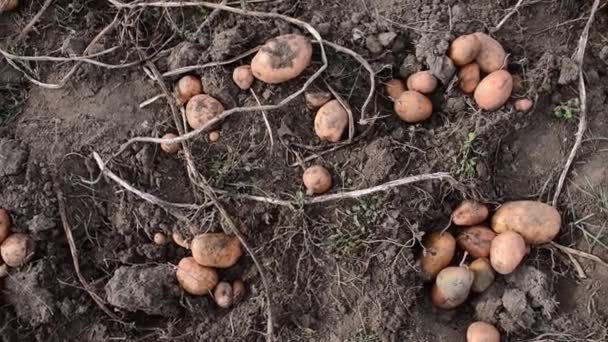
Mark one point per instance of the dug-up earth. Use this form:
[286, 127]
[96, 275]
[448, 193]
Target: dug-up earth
[341, 271]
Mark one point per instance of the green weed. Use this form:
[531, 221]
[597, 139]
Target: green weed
[468, 162]
[567, 110]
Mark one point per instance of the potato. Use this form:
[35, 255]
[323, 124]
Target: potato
[195, 279]
[470, 213]
[216, 250]
[331, 121]
[17, 249]
[223, 295]
[394, 88]
[452, 287]
[484, 274]
[317, 180]
[214, 136]
[492, 56]
[314, 100]
[8, 5]
[170, 148]
[187, 87]
[422, 81]
[180, 241]
[482, 332]
[243, 77]
[201, 109]
[476, 240]
[494, 90]
[413, 107]
[523, 105]
[160, 239]
[536, 222]
[507, 251]
[282, 58]
[5, 224]
[438, 253]
[464, 49]
[238, 290]
[468, 78]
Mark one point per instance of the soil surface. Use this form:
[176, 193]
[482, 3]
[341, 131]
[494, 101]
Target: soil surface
[338, 271]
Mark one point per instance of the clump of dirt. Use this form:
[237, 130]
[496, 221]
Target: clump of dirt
[13, 157]
[26, 292]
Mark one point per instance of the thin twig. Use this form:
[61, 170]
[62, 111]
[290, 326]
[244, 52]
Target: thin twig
[266, 122]
[209, 18]
[34, 20]
[511, 12]
[582, 254]
[151, 100]
[83, 59]
[190, 68]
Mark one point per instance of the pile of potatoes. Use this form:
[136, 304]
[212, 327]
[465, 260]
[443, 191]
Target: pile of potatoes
[411, 101]
[16, 249]
[497, 248]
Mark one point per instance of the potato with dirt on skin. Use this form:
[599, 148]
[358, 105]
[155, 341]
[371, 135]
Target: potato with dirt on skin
[535, 221]
[223, 295]
[243, 77]
[160, 239]
[394, 88]
[483, 274]
[238, 291]
[216, 250]
[8, 5]
[452, 287]
[195, 279]
[17, 249]
[482, 332]
[523, 105]
[5, 224]
[317, 180]
[422, 81]
[492, 56]
[187, 87]
[469, 213]
[315, 99]
[494, 90]
[438, 252]
[464, 49]
[282, 58]
[476, 240]
[507, 251]
[179, 240]
[170, 148]
[331, 121]
[468, 78]
[413, 107]
[201, 109]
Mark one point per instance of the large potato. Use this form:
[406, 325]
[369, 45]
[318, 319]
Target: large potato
[452, 287]
[422, 81]
[469, 213]
[201, 109]
[5, 224]
[536, 222]
[507, 251]
[469, 77]
[282, 58]
[491, 56]
[464, 49]
[476, 240]
[331, 121]
[394, 88]
[17, 249]
[413, 107]
[482, 332]
[484, 274]
[195, 279]
[494, 90]
[438, 253]
[216, 250]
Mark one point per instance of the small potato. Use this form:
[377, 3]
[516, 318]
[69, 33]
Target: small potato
[17, 249]
[536, 222]
[394, 88]
[413, 107]
[282, 58]
[422, 81]
[216, 250]
[8, 5]
[160, 239]
[452, 287]
[438, 253]
[482, 332]
[314, 100]
[195, 279]
[507, 251]
[180, 241]
[5, 224]
[187, 87]
[170, 148]
[523, 105]
[470, 213]
[317, 180]
[201, 109]
[492, 56]
[476, 240]
[239, 291]
[214, 136]
[464, 49]
[243, 77]
[223, 295]
[484, 274]
[331, 121]
[518, 84]
[468, 78]
[494, 90]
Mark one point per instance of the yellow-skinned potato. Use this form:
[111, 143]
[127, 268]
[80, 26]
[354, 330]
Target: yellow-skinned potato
[331, 121]
[317, 180]
[216, 250]
[413, 107]
[536, 222]
[507, 251]
[491, 56]
[483, 274]
[476, 240]
[195, 279]
[187, 87]
[201, 109]
[494, 90]
[282, 58]
[8, 5]
[469, 213]
[422, 81]
[5, 224]
[452, 287]
[394, 88]
[464, 49]
[438, 253]
[17, 249]
[468, 78]
[482, 332]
